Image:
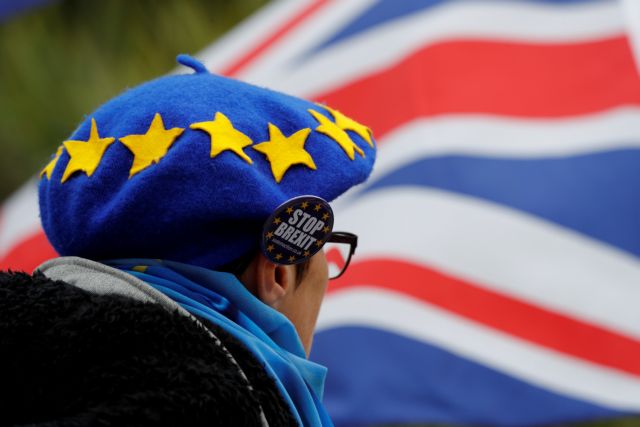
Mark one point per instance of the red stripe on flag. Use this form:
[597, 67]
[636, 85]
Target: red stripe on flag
[28, 254]
[512, 79]
[506, 314]
[244, 60]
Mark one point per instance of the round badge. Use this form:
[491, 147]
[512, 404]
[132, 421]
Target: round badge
[297, 230]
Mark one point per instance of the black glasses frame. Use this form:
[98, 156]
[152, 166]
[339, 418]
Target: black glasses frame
[348, 238]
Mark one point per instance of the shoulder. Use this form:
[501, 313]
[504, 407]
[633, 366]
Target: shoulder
[87, 358]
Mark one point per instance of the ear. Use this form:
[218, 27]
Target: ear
[272, 282]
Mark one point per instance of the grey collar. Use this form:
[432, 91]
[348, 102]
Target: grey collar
[102, 279]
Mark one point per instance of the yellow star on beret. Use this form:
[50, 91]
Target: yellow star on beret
[284, 152]
[334, 132]
[85, 156]
[48, 170]
[152, 146]
[347, 123]
[224, 136]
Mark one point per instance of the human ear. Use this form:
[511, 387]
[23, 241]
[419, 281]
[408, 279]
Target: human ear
[272, 281]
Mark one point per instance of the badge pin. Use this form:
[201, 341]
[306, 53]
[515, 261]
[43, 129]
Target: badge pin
[297, 230]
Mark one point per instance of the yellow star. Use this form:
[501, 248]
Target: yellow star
[318, 207]
[304, 205]
[85, 156]
[289, 210]
[278, 257]
[346, 123]
[292, 258]
[284, 152]
[269, 235]
[48, 170]
[334, 132]
[326, 230]
[149, 148]
[307, 253]
[224, 136]
[277, 221]
[325, 216]
[270, 248]
[319, 243]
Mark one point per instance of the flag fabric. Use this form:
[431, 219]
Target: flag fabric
[498, 273]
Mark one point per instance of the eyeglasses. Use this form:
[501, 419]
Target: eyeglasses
[339, 249]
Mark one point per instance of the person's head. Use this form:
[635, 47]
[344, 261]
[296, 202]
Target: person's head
[189, 167]
[294, 290]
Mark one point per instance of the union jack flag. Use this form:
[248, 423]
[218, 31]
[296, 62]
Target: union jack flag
[497, 280]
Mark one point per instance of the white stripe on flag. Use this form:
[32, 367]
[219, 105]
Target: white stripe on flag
[284, 55]
[488, 135]
[498, 21]
[631, 9]
[376, 308]
[20, 217]
[250, 33]
[502, 249]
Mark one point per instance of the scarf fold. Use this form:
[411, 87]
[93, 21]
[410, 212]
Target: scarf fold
[267, 334]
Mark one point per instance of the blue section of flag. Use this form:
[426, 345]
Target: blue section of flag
[379, 377]
[596, 194]
[9, 8]
[384, 11]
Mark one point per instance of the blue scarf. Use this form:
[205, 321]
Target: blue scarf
[270, 336]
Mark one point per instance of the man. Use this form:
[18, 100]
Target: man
[191, 213]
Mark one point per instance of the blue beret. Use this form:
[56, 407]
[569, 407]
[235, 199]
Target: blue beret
[188, 167]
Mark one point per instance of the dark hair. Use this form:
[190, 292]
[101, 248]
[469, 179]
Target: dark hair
[240, 264]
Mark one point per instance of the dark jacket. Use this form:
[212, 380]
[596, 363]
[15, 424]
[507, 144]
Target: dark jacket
[73, 357]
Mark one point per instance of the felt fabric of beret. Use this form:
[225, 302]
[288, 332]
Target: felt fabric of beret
[188, 167]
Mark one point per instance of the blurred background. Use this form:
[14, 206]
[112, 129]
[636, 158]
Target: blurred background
[506, 291]
[61, 59]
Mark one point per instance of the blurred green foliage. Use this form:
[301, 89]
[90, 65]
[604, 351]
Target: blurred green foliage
[61, 61]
